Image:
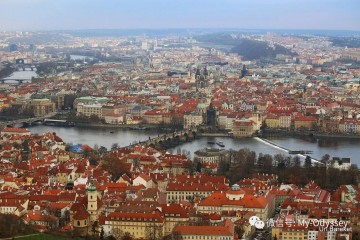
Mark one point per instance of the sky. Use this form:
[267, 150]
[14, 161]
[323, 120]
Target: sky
[27, 15]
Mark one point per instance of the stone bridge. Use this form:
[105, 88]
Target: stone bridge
[20, 81]
[26, 121]
[25, 66]
[166, 139]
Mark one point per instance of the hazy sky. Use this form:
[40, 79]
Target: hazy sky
[125, 14]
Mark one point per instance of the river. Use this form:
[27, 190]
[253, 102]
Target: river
[335, 147]
[21, 75]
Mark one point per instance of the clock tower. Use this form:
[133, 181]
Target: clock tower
[92, 197]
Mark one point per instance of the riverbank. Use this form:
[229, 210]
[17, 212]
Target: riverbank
[214, 135]
[6, 71]
[135, 127]
[319, 135]
[282, 133]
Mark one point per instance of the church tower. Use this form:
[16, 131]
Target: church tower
[211, 116]
[201, 78]
[244, 72]
[92, 197]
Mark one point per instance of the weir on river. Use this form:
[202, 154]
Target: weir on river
[267, 142]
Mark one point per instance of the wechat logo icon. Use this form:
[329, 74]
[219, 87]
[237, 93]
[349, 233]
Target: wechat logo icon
[256, 222]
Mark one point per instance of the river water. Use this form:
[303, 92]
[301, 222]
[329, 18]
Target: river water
[335, 147]
[21, 75]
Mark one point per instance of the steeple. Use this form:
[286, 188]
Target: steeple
[197, 73]
[92, 197]
[91, 187]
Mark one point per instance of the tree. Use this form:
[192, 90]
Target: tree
[239, 230]
[94, 159]
[68, 146]
[102, 233]
[69, 101]
[224, 166]
[153, 232]
[325, 159]
[296, 162]
[114, 146]
[94, 227]
[96, 147]
[114, 166]
[25, 146]
[198, 166]
[127, 236]
[102, 150]
[307, 163]
[279, 158]
[11, 225]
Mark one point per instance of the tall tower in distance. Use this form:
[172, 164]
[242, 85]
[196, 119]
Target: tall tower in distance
[92, 206]
[211, 116]
[244, 72]
[201, 78]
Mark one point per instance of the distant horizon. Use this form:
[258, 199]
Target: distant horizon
[45, 15]
[212, 30]
[179, 28]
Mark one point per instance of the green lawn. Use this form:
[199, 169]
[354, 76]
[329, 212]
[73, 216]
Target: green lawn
[42, 236]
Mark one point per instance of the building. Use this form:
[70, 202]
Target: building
[211, 155]
[89, 110]
[235, 199]
[16, 131]
[342, 164]
[153, 117]
[201, 78]
[113, 118]
[138, 225]
[211, 116]
[186, 188]
[243, 128]
[138, 110]
[41, 107]
[193, 120]
[174, 214]
[85, 212]
[290, 231]
[304, 122]
[91, 100]
[349, 126]
[219, 232]
[272, 121]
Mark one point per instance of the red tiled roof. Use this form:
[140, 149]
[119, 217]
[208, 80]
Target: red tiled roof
[248, 201]
[135, 217]
[15, 130]
[203, 230]
[81, 213]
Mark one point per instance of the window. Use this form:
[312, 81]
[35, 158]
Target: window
[78, 223]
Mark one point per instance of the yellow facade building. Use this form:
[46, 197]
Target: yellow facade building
[89, 110]
[138, 225]
[41, 107]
